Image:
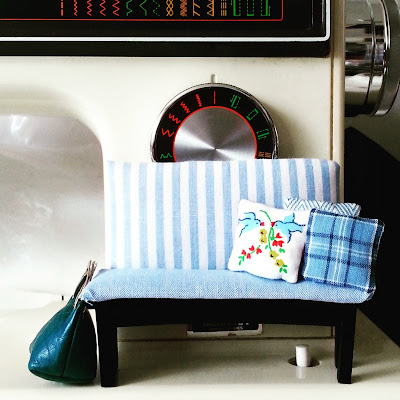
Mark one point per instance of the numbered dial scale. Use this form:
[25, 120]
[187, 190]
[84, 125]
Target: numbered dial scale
[214, 122]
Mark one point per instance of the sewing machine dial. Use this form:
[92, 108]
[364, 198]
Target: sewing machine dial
[214, 122]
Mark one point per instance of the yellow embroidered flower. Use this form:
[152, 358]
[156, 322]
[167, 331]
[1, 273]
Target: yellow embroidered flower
[273, 254]
[279, 263]
[263, 238]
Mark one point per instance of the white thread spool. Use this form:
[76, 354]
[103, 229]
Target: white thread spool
[303, 357]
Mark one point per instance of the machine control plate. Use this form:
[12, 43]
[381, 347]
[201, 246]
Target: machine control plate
[214, 122]
[220, 28]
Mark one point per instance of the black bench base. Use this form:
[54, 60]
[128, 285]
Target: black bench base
[140, 312]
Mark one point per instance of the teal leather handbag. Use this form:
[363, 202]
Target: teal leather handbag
[65, 349]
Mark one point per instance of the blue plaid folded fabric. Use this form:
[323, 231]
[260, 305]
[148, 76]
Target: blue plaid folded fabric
[342, 250]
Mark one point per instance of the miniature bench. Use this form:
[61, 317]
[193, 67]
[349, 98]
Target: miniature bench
[170, 232]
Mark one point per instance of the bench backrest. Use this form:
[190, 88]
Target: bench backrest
[184, 215]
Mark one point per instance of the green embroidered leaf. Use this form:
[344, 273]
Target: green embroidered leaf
[282, 250]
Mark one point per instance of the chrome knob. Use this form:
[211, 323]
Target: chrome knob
[372, 62]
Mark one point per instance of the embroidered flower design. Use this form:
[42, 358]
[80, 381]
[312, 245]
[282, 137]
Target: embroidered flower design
[273, 254]
[263, 234]
[279, 263]
[247, 255]
[271, 239]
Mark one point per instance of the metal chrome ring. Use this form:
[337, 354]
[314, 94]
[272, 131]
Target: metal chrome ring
[213, 132]
[372, 63]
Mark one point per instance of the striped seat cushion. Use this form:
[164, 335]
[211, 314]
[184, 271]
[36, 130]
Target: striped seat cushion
[126, 283]
[184, 215]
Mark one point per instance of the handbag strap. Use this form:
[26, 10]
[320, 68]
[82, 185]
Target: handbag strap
[86, 278]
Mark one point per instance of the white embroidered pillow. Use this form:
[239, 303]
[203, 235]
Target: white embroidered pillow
[269, 242]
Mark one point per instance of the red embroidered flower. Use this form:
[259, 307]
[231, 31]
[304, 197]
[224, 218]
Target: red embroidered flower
[272, 223]
[244, 252]
[251, 248]
[277, 243]
[278, 235]
[258, 251]
[248, 255]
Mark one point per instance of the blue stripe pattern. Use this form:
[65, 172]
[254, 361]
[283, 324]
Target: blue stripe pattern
[260, 186]
[341, 250]
[226, 190]
[277, 184]
[294, 184]
[310, 180]
[193, 216]
[192, 242]
[159, 207]
[112, 215]
[325, 175]
[243, 179]
[212, 260]
[127, 212]
[176, 226]
[144, 257]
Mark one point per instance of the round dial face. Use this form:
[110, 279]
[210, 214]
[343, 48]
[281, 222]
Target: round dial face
[214, 122]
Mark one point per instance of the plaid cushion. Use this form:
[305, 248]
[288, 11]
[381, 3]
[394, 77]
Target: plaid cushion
[342, 250]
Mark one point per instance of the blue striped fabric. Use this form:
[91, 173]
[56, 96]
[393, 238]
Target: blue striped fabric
[349, 209]
[184, 215]
[341, 250]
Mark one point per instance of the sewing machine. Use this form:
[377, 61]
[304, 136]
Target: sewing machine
[114, 68]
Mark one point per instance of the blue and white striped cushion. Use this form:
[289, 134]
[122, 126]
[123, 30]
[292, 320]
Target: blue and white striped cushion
[184, 215]
[348, 209]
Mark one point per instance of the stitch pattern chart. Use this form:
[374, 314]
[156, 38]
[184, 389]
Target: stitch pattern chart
[128, 9]
[149, 10]
[103, 8]
[210, 6]
[157, 5]
[169, 7]
[184, 8]
[89, 7]
[116, 8]
[196, 8]
[213, 98]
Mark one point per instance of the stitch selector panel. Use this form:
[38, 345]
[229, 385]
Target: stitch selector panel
[150, 10]
[214, 122]
[166, 27]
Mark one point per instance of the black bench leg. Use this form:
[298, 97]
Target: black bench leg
[108, 349]
[344, 344]
[338, 336]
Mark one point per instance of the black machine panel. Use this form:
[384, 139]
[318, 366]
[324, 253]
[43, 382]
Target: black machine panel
[166, 27]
